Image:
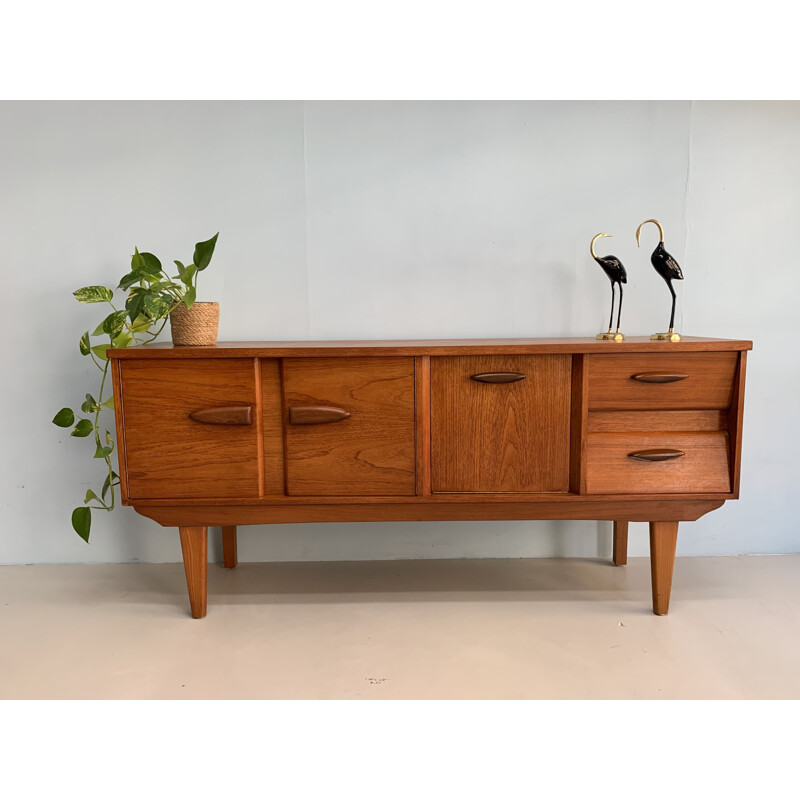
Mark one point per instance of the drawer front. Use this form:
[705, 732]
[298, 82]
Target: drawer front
[171, 455]
[349, 426]
[611, 469]
[661, 381]
[488, 435]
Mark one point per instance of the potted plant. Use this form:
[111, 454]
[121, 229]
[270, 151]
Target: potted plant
[151, 298]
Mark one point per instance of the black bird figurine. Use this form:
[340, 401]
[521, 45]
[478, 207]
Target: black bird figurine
[612, 267]
[669, 269]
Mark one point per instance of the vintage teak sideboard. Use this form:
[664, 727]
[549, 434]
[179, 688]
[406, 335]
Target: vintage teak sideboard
[257, 432]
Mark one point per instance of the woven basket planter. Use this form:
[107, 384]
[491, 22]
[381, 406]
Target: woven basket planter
[196, 325]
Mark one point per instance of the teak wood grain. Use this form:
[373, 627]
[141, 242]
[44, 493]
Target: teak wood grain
[735, 423]
[578, 426]
[230, 557]
[424, 441]
[656, 421]
[422, 402]
[708, 386]
[663, 540]
[271, 427]
[169, 455]
[371, 452]
[431, 347]
[620, 556]
[506, 437]
[703, 467]
[194, 544]
[357, 511]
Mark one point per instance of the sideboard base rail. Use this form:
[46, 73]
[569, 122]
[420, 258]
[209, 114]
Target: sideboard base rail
[632, 510]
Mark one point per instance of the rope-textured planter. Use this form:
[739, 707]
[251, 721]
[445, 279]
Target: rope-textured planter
[196, 325]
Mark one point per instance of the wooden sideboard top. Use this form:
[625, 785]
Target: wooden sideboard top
[429, 347]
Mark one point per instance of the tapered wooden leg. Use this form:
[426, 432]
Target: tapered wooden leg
[229, 558]
[194, 543]
[620, 543]
[663, 539]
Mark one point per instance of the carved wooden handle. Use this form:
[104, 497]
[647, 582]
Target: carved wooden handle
[229, 415]
[656, 455]
[313, 415]
[498, 377]
[659, 377]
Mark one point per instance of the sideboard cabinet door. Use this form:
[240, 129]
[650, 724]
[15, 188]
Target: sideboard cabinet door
[349, 426]
[170, 454]
[494, 431]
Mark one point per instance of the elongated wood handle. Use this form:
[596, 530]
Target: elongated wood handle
[656, 455]
[228, 415]
[498, 377]
[314, 415]
[659, 377]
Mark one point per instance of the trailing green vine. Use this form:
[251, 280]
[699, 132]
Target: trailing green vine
[151, 297]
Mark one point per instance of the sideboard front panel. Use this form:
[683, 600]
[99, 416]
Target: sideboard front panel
[500, 437]
[349, 426]
[617, 463]
[661, 381]
[171, 455]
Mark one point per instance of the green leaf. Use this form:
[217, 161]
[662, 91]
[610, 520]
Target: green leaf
[83, 428]
[111, 325]
[189, 297]
[134, 304]
[151, 263]
[157, 307]
[181, 269]
[121, 340]
[90, 495]
[103, 452]
[93, 294]
[137, 262]
[108, 437]
[82, 522]
[203, 252]
[114, 323]
[90, 406]
[188, 274]
[133, 277]
[108, 403]
[84, 344]
[100, 351]
[64, 418]
[160, 286]
[107, 483]
[140, 324]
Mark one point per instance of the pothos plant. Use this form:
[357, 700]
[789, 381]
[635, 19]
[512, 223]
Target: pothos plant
[151, 295]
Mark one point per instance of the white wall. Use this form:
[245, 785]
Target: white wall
[375, 220]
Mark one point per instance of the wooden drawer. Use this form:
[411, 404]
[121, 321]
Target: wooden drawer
[170, 455]
[610, 469]
[500, 437]
[708, 381]
[349, 426]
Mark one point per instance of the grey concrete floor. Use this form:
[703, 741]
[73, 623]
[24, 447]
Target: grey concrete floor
[482, 629]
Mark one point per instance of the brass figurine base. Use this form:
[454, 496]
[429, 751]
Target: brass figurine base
[669, 336]
[610, 336]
